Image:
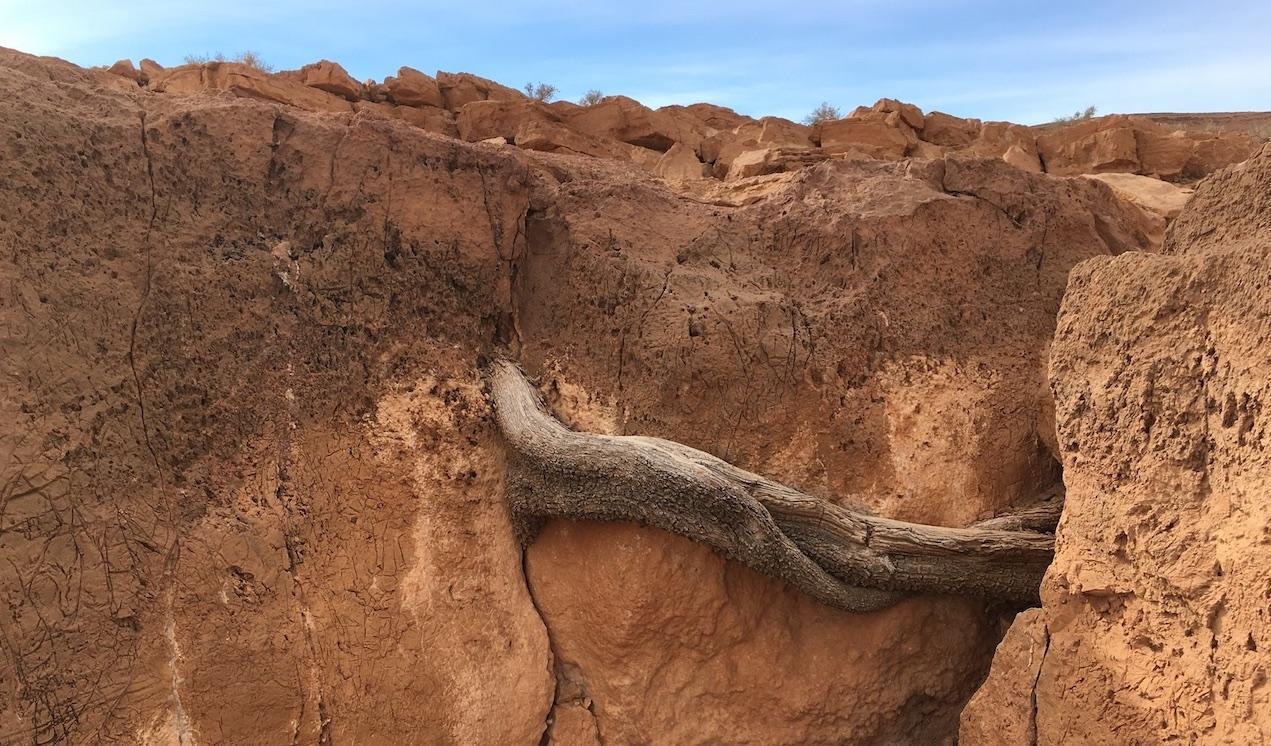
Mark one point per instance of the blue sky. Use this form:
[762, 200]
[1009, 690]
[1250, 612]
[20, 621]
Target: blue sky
[1021, 61]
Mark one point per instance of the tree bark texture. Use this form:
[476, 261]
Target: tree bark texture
[843, 556]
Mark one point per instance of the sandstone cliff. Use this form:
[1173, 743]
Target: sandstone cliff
[252, 491]
[1155, 626]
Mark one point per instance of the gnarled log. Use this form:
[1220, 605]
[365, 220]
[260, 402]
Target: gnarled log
[842, 556]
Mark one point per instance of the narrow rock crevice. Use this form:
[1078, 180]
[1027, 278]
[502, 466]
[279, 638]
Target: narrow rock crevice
[1032, 693]
[145, 296]
[553, 665]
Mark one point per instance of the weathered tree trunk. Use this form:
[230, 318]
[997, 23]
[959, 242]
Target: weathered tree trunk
[843, 556]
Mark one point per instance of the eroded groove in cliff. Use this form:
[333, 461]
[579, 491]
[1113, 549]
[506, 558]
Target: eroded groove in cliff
[844, 557]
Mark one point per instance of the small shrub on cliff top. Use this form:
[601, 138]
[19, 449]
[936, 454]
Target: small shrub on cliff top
[1077, 116]
[248, 58]
[823, 113]
[540, 92]
[591, 97]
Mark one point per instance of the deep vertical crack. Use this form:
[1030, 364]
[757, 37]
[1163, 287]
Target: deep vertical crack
[145, 296]
[553, 667]
[1032, 694]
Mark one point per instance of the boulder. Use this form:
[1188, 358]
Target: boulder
[1020, 158]
[550, 136]
[945, 129]
[150, 68]
[428, 118]
[327, 76]
[755, 162]
[924, 149]
[772, 160]
[911, 114]
[783, 132]
[124, 69]
[627, 120]
[411, 87]
[876, 139]
[998, 139]
[714, 117]
[721, 148]
[564, 109]
[1164, 155]
[1160, 197]
[644, 157]
[680, 163]
[460, 89]
[1090, 146]
[1160, 201]
[481, 120]
[248, 82]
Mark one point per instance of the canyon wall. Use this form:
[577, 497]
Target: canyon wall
[1158, 605]
[252, 491]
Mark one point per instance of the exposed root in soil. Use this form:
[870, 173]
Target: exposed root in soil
[842, 556]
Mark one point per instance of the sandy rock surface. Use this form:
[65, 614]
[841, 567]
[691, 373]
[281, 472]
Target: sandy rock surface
[253, 492]
[1155, 611]
[759, 334]
[245, 499]
[1003, 711]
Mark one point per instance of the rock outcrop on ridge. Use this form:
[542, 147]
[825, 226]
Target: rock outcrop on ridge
[714, 141]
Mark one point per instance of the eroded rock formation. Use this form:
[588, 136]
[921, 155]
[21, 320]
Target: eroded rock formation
[250, 492]
[714, 141]
[253, 489]
[1156, 619]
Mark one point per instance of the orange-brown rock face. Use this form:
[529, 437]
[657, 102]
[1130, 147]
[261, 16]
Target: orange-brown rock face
[1003, 711]
[252, 490]
[1139, 145]
[665, 643]
[814, 345]
[1155, 609]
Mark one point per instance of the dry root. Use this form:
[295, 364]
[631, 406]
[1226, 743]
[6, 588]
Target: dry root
[844, 557]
